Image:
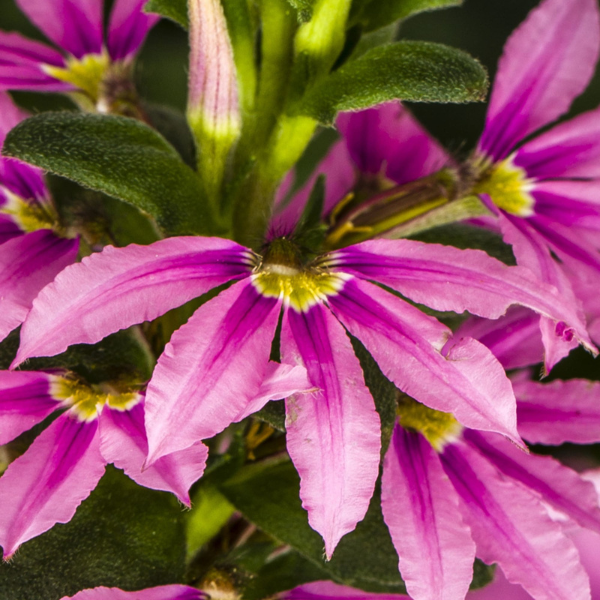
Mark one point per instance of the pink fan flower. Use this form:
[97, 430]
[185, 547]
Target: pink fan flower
[544, 191]
[31, 252]
[91, 63]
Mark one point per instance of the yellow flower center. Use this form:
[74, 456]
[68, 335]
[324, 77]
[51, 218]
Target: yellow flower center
[29, 216]
[508, 187]
[438, 427]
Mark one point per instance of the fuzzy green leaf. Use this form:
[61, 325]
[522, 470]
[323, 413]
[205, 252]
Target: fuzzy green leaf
[120, 157]
[122, 536]
[176, 10]
[414, 71]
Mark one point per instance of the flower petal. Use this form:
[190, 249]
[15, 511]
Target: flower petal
[124, 443]
[128, 28]
[333, 434]
[17, 50]
[25, 400]
[448, 279]
[211, 369]
[46, 485]
[119, 287]
[74, 25]
[511, 527]
[547, 62]
[559, 412]
[461, 376]
[30, 77]
[27, 264]
[420, 508]
[164, 592]
[561, 487]
[328, 590]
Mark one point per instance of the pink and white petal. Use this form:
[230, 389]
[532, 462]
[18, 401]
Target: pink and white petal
[413, 350]
[74, 25]
[547, 62]
[124, 443]
[559, 412]
[510, 526]
[514, 339]
[164, 592]
[280, 382]
[448, 279]
[119, 287]
[25, 400]
[211, 370]
[556, 484]
[46, 485]
[388, 140]
[27, 264]
[128, 28]
[333, 433]
[568, 150]
[420, 508]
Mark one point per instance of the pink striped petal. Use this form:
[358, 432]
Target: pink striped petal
[211, 369]
[388, 140]
[46, 485]
[511, 527]
[420, 508]
[559, 486]
[25, 401]
[30, 78]
[328, 590]
[74, 25]
[128, 28]
[27, 264]
[164, 592]
[119, 287]
[547, 62]
[460, 376]
[333, 434]
[449, 279]
[18, 50]
[124, 443]
[559, 412]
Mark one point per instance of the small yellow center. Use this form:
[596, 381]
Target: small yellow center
[508, 187]
[86, 402]
[29, 216]
[438, 427]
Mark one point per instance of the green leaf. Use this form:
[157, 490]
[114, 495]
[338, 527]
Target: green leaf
[376, 14]
[272, 413]
[120, 157]
[415, 71]
[122, 536]
[176, 10]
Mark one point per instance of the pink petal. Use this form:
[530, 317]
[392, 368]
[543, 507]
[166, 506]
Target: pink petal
[46, 485]
[16, 49]
[511, 527]
[211, 369]
[328, 590]
[460, 376]
[124, 443]
[559, 412]
[74, 25]
[119, 287]
[333, 434]
[128, 28]
[165, 592]
[547, 62]
[31, 78]
[27, 264]
[559, 486]
[10, 114]
[388, 140]
[25, 400]
[420, 508]
[448, 279]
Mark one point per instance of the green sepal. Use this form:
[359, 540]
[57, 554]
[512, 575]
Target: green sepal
[175, 10]
[414, 71]
[374, 14]
[120, 157]
[123, 536]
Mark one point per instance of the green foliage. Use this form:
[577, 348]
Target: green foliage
[120, 157]
[415, 71]
[123, 536]
[176, 10]
[374, 14]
